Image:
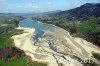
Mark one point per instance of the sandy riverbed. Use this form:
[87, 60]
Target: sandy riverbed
[24, 41]
[78, 46]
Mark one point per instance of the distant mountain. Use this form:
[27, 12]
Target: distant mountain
[82, 12]
[50, 12]
[16, 14]
[53, 11]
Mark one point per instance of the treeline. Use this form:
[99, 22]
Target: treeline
[8, 24]
[10, 20]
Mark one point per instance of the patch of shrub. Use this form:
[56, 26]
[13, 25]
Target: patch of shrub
[96, 55]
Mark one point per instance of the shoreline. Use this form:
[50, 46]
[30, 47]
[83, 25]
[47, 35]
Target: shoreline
[25, 42]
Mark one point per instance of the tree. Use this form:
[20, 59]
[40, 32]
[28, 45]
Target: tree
[73, 30]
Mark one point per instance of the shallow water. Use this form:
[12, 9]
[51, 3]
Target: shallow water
[39, 27]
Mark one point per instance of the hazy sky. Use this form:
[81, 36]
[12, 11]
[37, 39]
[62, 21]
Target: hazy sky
[31, 6]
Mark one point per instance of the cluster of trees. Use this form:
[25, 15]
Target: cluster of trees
[93, 63]
[8, 54]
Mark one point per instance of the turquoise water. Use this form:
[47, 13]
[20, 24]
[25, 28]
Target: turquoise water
[39, 27]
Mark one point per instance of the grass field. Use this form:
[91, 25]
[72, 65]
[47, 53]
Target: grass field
[88, 28]
[6, 41]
